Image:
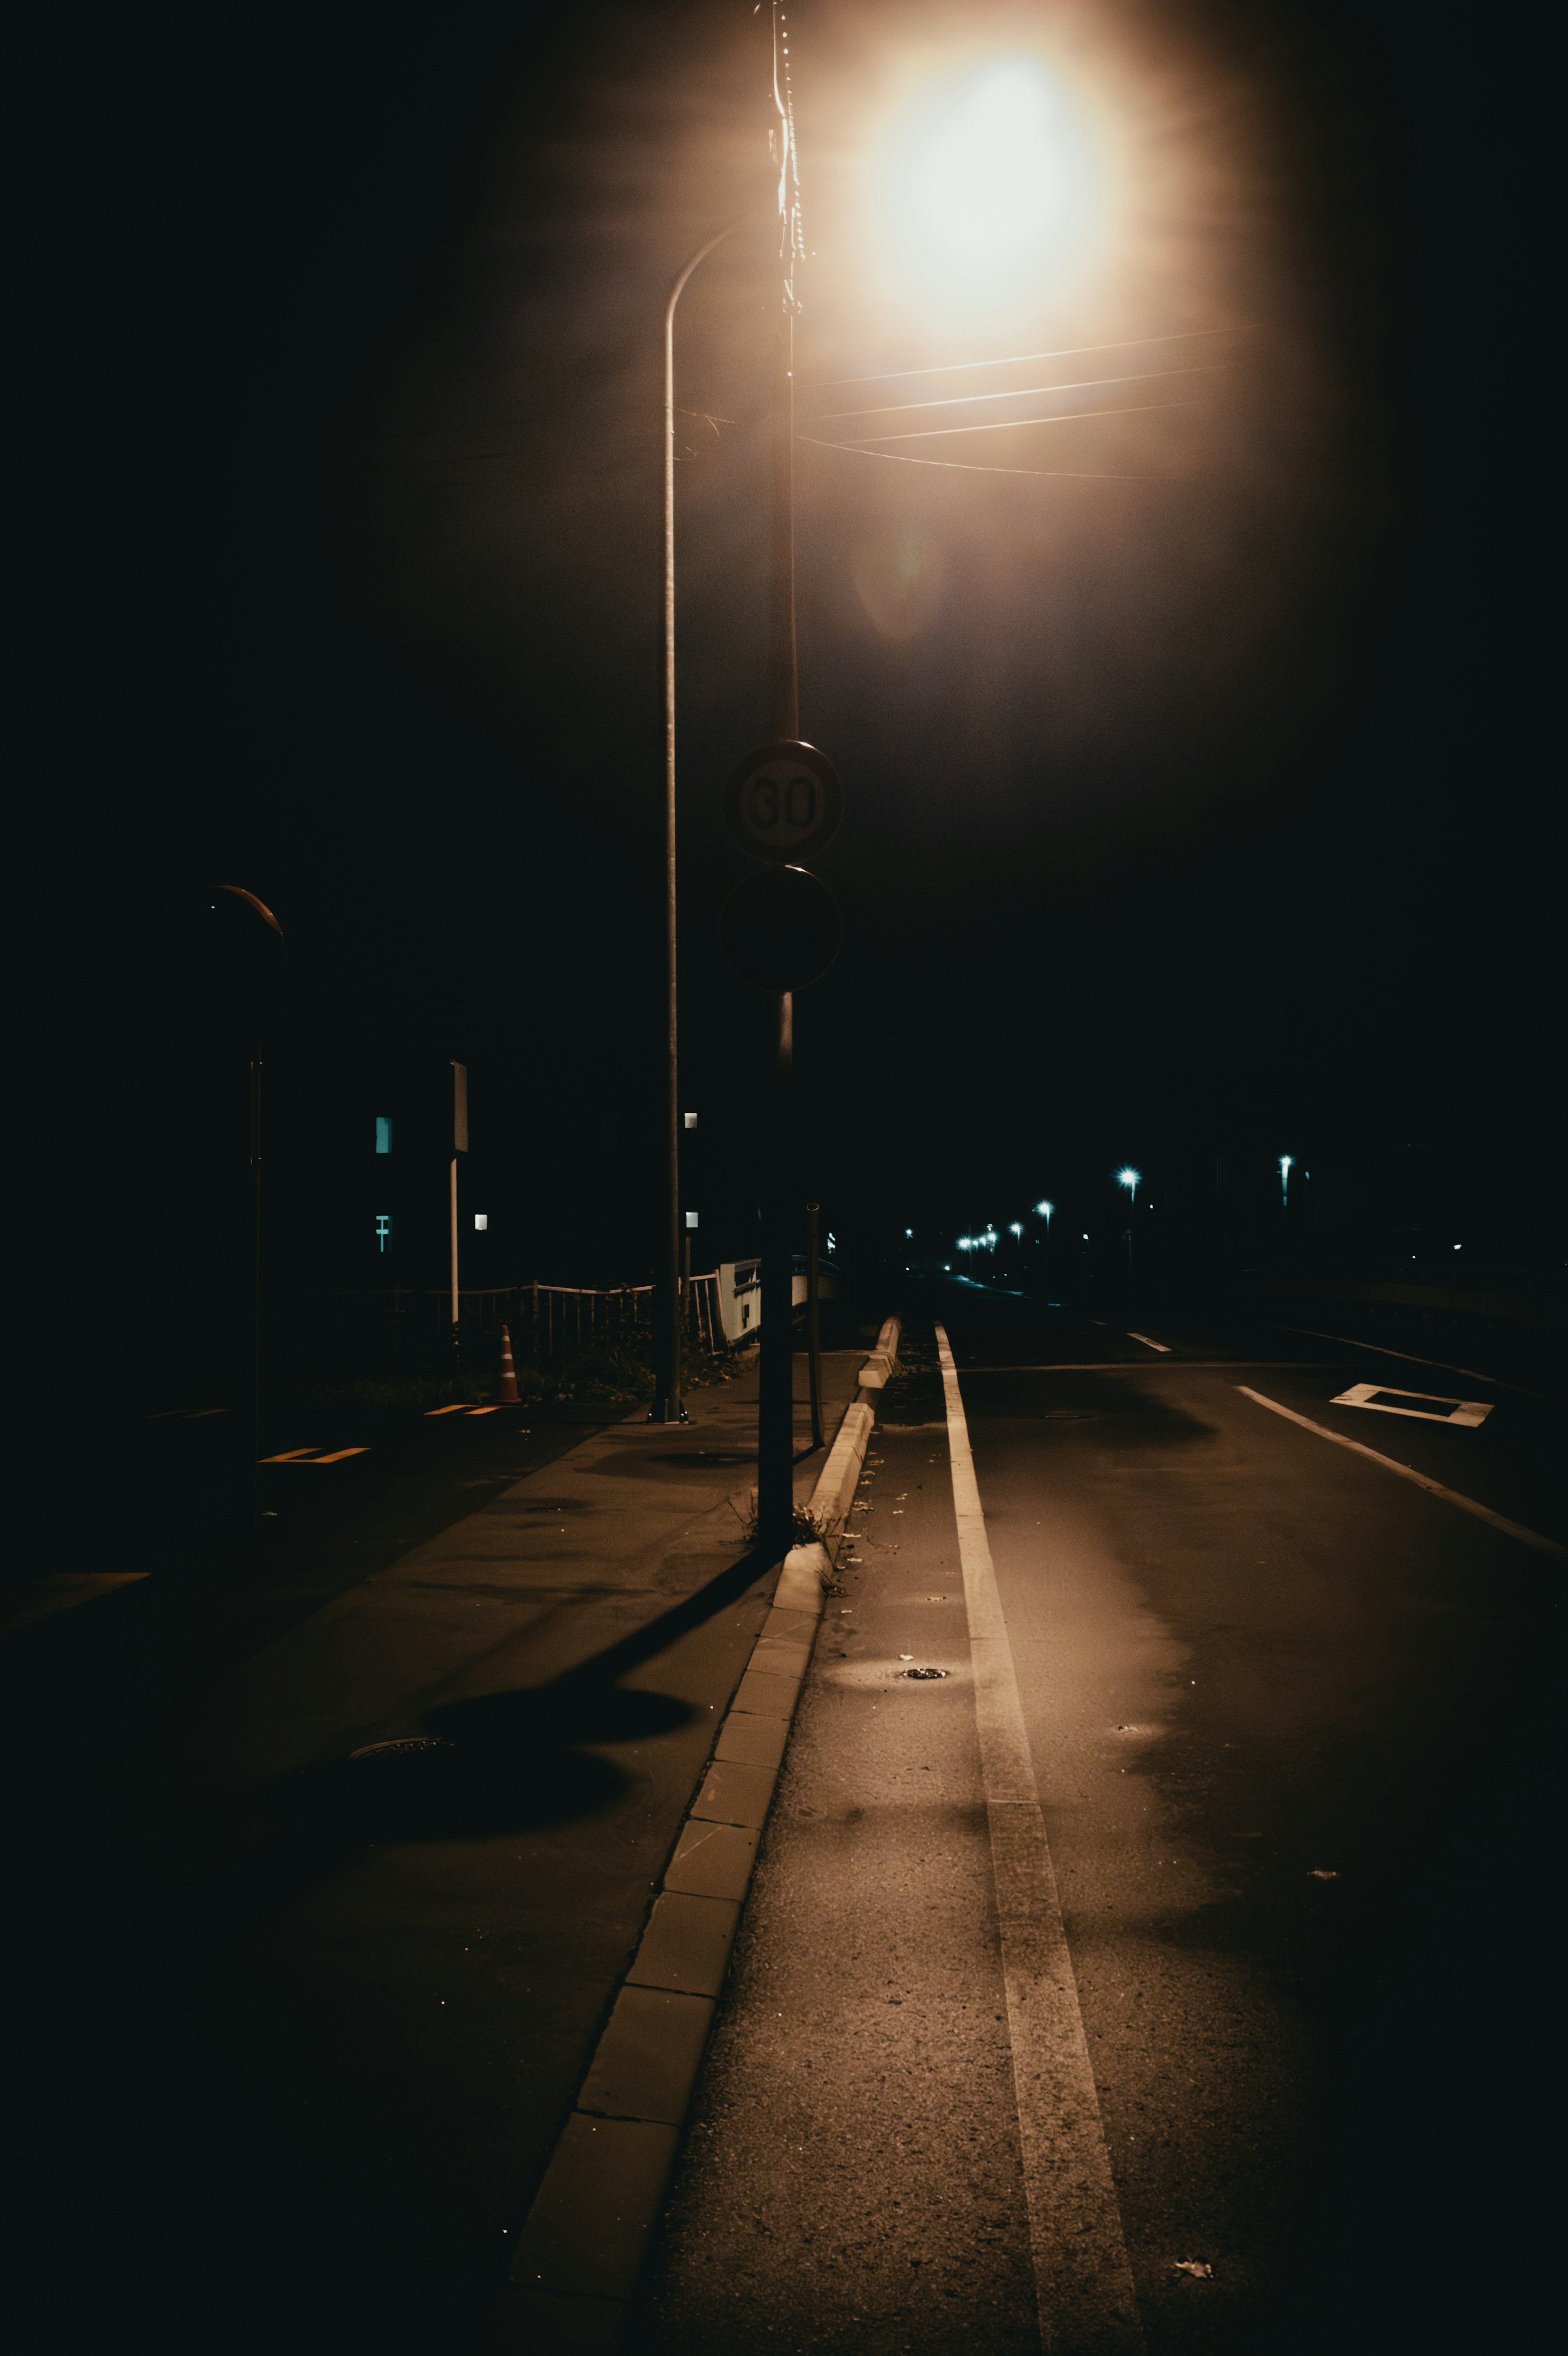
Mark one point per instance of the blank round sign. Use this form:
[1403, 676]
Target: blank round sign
[783, 802]
[781, 929]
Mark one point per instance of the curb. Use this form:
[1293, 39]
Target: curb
[587, 2235]
[883, 1358]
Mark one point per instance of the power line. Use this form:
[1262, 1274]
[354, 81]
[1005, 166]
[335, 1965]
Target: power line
[959, 466]
[1007, 424]
[1020, 392]
[1017, 359]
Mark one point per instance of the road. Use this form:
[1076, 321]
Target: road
[1291, 1718]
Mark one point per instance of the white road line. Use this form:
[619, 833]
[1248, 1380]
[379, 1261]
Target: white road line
[1083, 2282]
[1377, 1351]
[1407, 1472]
[1183, 1365]
[1146, 1342]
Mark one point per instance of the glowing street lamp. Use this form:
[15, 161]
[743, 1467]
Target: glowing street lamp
[990, 186]
[1287, 1164]
[1043, 1211]
[1131, 1179]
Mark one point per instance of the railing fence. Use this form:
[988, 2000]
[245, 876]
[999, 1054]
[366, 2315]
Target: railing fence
[545, 1319]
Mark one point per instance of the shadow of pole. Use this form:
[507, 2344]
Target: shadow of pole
[503, 1763]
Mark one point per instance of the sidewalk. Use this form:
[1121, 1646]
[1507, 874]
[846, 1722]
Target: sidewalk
[373, 1908]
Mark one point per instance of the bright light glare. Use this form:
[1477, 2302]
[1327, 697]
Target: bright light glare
[1044, 1210]
[989, 188]
[1130, 1178]
[1015, 1229]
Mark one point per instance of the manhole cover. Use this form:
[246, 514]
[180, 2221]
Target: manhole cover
[921, 1675]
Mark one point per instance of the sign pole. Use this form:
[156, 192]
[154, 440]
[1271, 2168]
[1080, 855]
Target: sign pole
[775, 1404]
[459, 1145]
[813, 1319]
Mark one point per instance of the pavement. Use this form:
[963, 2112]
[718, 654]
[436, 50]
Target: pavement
[330, 1871]
[1280, 2069]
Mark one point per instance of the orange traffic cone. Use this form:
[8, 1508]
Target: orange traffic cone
[507, 1394]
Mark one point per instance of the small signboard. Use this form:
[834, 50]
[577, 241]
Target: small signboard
[783, 802]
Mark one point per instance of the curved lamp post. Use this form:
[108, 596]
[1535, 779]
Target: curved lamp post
[667, 1407]
[261, 909]
[1131, 1179]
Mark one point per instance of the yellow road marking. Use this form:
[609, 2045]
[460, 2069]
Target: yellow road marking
[309, 1456]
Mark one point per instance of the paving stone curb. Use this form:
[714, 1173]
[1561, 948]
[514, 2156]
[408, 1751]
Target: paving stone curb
[588, 2233]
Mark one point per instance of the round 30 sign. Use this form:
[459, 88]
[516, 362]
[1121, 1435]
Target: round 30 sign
[783, 802]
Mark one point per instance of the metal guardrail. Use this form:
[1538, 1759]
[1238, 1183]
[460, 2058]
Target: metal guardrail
[556, 1315]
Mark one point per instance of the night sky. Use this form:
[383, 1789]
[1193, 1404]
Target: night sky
[1195, 807]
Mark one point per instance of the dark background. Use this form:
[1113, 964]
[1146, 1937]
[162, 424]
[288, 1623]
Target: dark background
[1189, 823]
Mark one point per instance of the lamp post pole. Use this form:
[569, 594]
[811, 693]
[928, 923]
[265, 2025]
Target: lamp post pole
[238, 892]
[776, 1403]
[667, 1407]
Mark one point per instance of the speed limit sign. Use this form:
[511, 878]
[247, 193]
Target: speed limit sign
[783, 802]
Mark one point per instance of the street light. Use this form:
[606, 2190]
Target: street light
[667, 1407]
[1287, 1164]
[988, 187]
[252, 995]
[1131, 1179]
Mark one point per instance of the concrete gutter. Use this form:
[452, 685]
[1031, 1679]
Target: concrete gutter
[588, 2233]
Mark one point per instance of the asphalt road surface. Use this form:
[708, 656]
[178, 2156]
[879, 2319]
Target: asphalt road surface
[1291, 1719]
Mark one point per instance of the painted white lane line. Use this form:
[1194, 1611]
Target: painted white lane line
[1375, 1349]
[1407, 1472]
[1083, 2282]
[1146, 1342]
[1382, 1398]
[1183, 1365]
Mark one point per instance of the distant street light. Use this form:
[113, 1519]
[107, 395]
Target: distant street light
[1131, 1179]
[1287, 1164]
[253, 995]
[1044, 1210]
